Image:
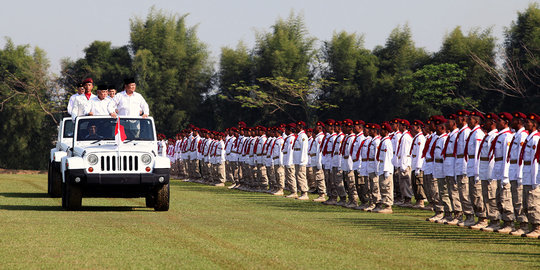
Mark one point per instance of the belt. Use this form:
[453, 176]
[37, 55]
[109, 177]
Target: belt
[498, 158]
[413, 156]
[371, 159]
[346, 157]
[276, 158]
[380, 160]
[364, 159]
[528, 163]
[285, 153]
[513, 161]
[439, 160]
[312, 155]
[460, 156]
[484, 159]
[429, 160]
[471, 156]
[297, 149]
[449, 155]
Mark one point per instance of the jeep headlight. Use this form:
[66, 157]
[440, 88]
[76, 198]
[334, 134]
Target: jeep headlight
[92, 159]
[146, 159]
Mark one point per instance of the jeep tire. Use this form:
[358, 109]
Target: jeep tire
[150, 200]
[49, 176]
[55, 182]
[72, 197]
[162, 198]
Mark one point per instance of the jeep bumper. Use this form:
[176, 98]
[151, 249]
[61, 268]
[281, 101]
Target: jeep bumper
[157, 177]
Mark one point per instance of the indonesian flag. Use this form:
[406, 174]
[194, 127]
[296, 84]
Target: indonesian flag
[119, 133]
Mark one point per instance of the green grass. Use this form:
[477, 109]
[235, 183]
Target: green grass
[211, 227]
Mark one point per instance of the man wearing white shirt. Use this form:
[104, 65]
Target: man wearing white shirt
[518, 140]
[402, 160]
[460, 166]
[385, 168]
[530, 177]
[82, 102]
[300, 160]
[347, 163]
[417, 161]
[316, 161]
[102, 104]
[290, 175]
[71, 103]
[130, 103]
[472, 156]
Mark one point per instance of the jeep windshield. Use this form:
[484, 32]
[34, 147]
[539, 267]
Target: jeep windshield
[97, 129]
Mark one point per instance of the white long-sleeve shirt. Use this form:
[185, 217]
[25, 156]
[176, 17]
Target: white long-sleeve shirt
[461, 141]
[98, 106]
[131, 105]
[417, 147]
[500, 153]
[314, 152]
[71, 102]
[385, 156]
[529, 164]
[473, 157]
[81, 104]
[300, 149]
[486, 162]
[515, 149]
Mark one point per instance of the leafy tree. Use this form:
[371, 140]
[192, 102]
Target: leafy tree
[172, 67]
[398, 58]
[28, 124]
[433, 89]
[353, 70]
[458, 48]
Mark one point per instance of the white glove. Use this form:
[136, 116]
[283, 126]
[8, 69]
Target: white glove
[417, 173]
[387, 174]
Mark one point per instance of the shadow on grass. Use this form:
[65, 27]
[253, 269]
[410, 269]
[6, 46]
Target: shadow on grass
[83, 208]
[24, 195]
[418, 229]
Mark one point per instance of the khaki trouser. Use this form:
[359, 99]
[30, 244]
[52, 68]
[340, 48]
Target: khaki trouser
[531, 203]
[330, 189]
[351, 185]
[405, 185]
[489, 193]
[386, 185]
[477, 201]
[504, 196]
[246, 180]
[418, 186]
[310, 174]
[362, 187]
[290, 179]
[464, 194]
[338, 181]
[261, 176]
[233, 172]
[517, 201]
[374, 193]
[449, 194]
[301, 180]
[270, 173]
[279, 172]
[319, 181]
[195, 171]
[438, 206]
[220, 171]
[182, 172]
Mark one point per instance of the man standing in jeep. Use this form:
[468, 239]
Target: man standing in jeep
[130, 103]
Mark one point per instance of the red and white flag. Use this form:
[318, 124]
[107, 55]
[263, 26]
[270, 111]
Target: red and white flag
[119, 133]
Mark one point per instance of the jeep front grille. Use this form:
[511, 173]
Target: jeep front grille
[122, 163]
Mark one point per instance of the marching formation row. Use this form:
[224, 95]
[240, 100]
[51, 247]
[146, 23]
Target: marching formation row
[466, 164]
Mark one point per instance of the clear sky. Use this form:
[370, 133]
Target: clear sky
[63, 28]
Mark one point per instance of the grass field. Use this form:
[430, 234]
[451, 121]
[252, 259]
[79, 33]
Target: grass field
[211, 227]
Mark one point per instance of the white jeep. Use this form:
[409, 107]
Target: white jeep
[63, 142]
[98, 165]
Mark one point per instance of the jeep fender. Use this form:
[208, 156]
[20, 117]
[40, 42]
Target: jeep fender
[73, 162]
[53, 150]
[162, 162]
[58, 155]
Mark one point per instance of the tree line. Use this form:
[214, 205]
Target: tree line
[284, 77]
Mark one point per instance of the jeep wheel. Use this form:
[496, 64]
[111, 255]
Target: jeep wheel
[72, 197]
[162, 198]
[55, 183]
[49, 176]
[150, 200]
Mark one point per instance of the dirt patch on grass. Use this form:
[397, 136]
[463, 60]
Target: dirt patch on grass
[7, 171]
